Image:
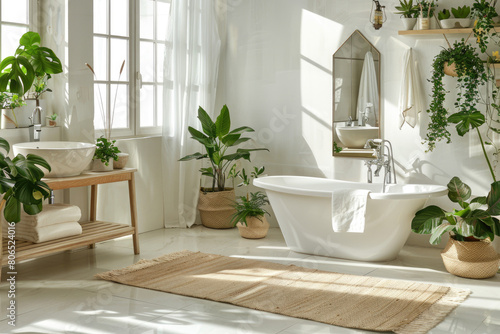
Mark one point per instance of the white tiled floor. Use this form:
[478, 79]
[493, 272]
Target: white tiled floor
[57, 294]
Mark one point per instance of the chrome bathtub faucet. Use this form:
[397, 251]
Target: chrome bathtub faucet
[35, 129]
[383, 159]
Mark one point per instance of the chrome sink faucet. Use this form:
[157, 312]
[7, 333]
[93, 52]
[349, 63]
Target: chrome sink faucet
[383, 159]
[35, 129]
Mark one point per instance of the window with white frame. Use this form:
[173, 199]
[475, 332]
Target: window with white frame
[133, 31]
[15, 20]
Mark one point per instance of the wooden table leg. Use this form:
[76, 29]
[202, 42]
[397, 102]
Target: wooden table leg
[93, 207]
[133, 212]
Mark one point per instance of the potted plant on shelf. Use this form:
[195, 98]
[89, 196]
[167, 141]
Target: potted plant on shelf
[461, 18]
[408, 12]
[21, 184]
[52, 120]
[105, 153]
[9, 103]
[426, 12]
[250, 213]
[483, 12]
[468, 252]
[215, 203]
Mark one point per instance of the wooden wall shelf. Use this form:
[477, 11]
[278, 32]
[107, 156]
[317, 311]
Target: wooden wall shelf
[438, 31]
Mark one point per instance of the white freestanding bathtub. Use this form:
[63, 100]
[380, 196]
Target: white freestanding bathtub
[303, 208]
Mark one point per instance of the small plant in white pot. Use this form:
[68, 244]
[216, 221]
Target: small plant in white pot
[105, 153]
[250, 213]
[409, 12]
[461, 18]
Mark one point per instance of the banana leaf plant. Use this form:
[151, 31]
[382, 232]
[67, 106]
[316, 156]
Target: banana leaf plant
[31, 63]
[474, 220]
[219, 142]
[21, 184]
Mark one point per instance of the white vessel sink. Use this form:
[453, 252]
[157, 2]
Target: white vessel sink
[356, 136]
[64, 157]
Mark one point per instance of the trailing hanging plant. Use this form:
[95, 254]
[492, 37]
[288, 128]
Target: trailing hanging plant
[471, 75]
[483, 11]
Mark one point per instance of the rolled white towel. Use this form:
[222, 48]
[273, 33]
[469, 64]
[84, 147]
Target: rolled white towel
[47, 233]
[52, 214]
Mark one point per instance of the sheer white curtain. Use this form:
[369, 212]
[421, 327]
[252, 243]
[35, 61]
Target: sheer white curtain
[191, 67]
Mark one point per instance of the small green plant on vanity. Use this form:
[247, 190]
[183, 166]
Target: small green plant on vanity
[106, 150]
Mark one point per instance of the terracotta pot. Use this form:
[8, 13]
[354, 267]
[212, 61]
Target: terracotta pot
[470, 259]
[122, 161]
[256, 228]
[216, 208]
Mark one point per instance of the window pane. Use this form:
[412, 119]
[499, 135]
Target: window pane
[160, 58]
[159, 105]
[147, 61]
[100, 16]
[162, 13]
[147, 105]
[119, 52]
[119, 118]
[147, 12]
[10, 39]
[100, 105]
[119, 17]
[100, 56]
[15, 11]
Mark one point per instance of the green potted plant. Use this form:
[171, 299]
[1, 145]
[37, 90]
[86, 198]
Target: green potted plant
[250, 213]
[21, 184]
[472, 228]
[461, 18]
[409, 12]
[426, 12]
[52, 120]
[484, 12]
[220, 143]
[105, 153]
[9, 103]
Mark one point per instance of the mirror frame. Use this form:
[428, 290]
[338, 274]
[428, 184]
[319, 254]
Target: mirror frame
[347, 152]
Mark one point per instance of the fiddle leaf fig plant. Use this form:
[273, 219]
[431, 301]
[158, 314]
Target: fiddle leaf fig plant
[218, 140]
[475, 218]
[21, 184]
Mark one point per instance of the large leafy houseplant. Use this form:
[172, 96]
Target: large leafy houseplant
[21, 184]
[32, 64]
[219, 142]
[474, 220]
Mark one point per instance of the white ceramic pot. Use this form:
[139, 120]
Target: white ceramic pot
[409, 22]
[423, 23]
[455, 23]
[99, 166]
[122, 160]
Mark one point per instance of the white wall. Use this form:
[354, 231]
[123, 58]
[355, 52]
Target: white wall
[278, 67]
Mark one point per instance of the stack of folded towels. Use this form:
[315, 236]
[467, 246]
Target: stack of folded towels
[54, 222]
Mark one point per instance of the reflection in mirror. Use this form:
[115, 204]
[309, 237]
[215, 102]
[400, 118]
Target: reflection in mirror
[356, 96]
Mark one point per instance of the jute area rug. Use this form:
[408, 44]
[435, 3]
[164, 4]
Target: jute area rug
[343, 300]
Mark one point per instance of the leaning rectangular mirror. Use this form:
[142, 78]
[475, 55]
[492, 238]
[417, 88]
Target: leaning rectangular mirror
[356, 96]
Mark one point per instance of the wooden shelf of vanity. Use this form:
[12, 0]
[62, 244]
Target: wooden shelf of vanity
[438, 31]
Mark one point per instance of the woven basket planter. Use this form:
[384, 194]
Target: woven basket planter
[216, 208]
[255, 228]
[450, 70]
[470, 259]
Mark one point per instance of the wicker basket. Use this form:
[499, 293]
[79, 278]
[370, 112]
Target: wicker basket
[255, 229]
[216, 208]
[450, 70]
[471, 259]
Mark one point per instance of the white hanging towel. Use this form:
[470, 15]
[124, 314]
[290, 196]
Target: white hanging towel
[368, 91]
[410, 99]
[348, 210]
